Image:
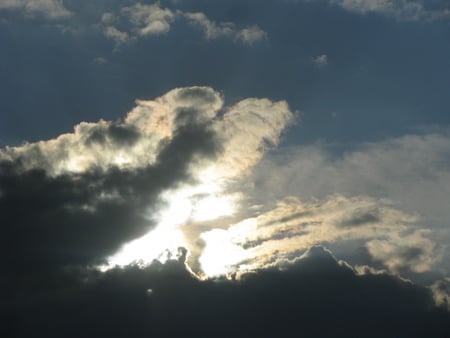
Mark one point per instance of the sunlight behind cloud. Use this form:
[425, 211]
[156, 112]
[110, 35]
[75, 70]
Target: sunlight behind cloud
[184, 205]
[220, 255]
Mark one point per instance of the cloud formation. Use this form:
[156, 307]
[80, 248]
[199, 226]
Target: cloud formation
[165, 300]
[71, 204]
[50, 9]
[320, 60]
[88, 192]
[140, 20]
[389, 236]
[410, 10]
[392, 200]
[213, 30]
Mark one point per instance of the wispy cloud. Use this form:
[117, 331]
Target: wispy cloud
[51, 9]
[141, 20]
[400, 215]
[399, 9]
[320, 60]
[213, 30]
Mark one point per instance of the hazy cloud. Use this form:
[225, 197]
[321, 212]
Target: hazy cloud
[408, 173]
[51, 9]
[399, 9]
[213, 30]
[390, 236]
[320, 60]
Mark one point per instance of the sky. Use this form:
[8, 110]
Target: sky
[234, 168]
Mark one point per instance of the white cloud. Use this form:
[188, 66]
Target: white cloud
[149, 19]
[142, 20]
[51, 9]
[320, 60]
[100, 60]
[118, 36]
[245, 131]
[399, 9]
[213, 30]
[251, 34]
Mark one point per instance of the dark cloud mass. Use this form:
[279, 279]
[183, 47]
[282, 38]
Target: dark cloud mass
[314, 297]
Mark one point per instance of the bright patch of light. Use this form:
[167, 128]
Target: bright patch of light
[122, 160]
[220, 255]
[182, 206]
[213, 207]
[76, 164]
[159, 244]
[242, 230]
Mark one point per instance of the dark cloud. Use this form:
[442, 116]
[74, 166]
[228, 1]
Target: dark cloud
[115, 133]
[314, 297]
[51, 223]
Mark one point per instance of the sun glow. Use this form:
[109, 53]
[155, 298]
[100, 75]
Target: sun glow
[220, 255]
[183, 206]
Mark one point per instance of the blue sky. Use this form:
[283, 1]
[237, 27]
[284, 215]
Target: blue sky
[225, 140]
[384, 75]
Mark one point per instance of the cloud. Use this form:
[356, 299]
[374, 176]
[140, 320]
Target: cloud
[391, 200]
[51, 9]
[69, 204]
[410, 10]
[441, 292]
[390, 236]
[214, 30]
[320, 60]
[411, 170]
[149, 19]
[315, 289]
[134, 142]
[85, 194]
[251, 35]
[140, 20]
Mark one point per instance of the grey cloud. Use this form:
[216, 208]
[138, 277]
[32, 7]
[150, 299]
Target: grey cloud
[314, 290]
[360, 217]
